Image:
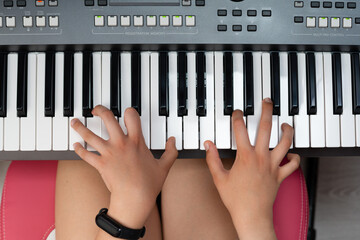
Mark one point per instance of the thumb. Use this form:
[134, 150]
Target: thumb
[287, 169]
[169, 156]
[214, 162]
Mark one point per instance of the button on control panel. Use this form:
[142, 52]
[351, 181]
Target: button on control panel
[10, 22]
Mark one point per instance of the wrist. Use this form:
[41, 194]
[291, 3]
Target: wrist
[255, 227]
[127, 215]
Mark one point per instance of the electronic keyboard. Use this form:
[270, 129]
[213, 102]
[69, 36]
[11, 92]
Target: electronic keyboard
[185, 66]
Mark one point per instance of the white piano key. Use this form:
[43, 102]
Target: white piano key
[254, 120]
[60, 123]
[191, 121]
[347, 119]
[301, 121]
[174, 123]
[158, 123]
[78, 80]
[222, 122]
[332, 121]
[266, 74]
[105, 88]
[43, 124]
[284, 93]
[12, 122]
[238, 85]
[94, 123]
[145, 96]
[1, 134]
[28, 124]
[207, 123]
[317, 121]
[125, 87]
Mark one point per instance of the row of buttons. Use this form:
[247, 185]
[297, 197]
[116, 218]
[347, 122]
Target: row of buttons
[28, 21]
[151, 21]
[316, 4]
[237, 28]
[91, 3]
[323, 22]
[238, 13]
[326, 4]
[22, 3]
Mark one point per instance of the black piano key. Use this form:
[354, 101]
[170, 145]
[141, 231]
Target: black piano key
[337, 84]
[355, 75]
[293, 84]
[50, 85]
[136, 81]
[200, 84]
[228, 83]
[311, 83]
[87, 84]
[248, 84]
[275, 82]
[182, 89]
[21, 103]
[3, 83]
[69, 84]
[164, 84]
[115, 84]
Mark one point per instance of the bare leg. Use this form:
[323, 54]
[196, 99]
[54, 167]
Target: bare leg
[80, 194]
[191, 205]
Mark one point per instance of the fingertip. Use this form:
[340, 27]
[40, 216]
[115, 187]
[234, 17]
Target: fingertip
[75, 145]
[267, 101]
[237, 113]
[206, 145]
[72, 123]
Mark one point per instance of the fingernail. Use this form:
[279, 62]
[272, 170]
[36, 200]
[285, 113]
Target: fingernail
[267, 100]
[206, 145]
[73, 122]
[74, 145]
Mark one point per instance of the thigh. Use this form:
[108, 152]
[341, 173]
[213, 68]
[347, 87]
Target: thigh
[80, 194]
[191, 205]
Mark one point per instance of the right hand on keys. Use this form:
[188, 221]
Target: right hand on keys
[249, 189]
[130, 171]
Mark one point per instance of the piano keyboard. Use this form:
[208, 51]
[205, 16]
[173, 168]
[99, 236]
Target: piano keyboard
[189, 95]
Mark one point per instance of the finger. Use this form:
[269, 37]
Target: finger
[88, 136]
[214, 162]
[287, 169]
[111, 123]
[89, 157]
[284, 145]
[264, 131]
[169, 156]
[133, 124]
[241, 134]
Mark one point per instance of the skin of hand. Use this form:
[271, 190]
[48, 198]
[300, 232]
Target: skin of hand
[249, 188]
[130, 171]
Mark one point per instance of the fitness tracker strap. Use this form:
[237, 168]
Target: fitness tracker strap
[115, 229]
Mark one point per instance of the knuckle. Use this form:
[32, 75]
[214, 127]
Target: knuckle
[266, 124]
[287, 141]
[108, 115]
[237, 123]
[87, 135]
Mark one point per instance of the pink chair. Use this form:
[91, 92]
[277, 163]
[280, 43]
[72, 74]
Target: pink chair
[28, 203]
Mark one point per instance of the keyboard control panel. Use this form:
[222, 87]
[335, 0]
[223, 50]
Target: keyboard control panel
[180, 22]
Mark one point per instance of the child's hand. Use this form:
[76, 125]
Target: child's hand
[249, 189]
[130, 171]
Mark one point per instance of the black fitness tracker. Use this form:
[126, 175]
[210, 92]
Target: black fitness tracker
[115, 229]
